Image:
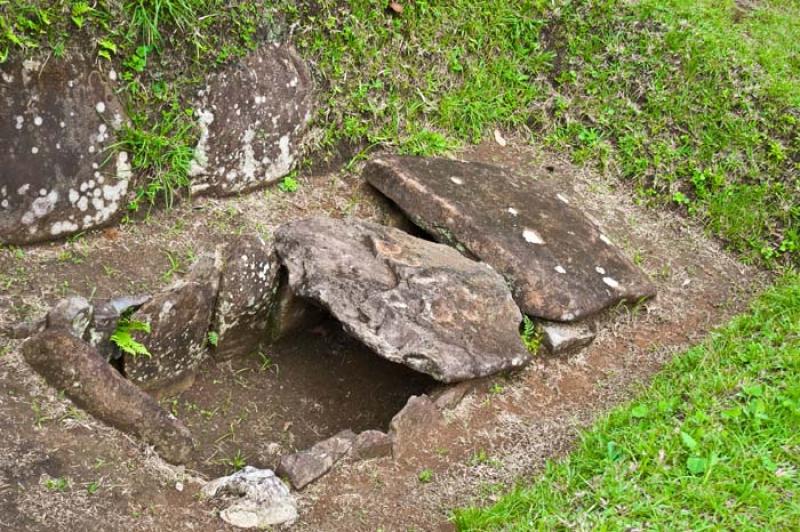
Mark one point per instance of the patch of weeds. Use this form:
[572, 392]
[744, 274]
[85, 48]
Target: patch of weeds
[123, 337]
[425, 476]
[93, 487]
[265, 362]
[39, 417]
[289, 184]
[57, 484]
[237, 461]
[531, 335]
[213, 338]
[175, 266]
[496, 388]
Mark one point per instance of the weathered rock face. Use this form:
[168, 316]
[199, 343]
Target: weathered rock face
[72, 314]
[414, 426]
[263, 499]
[179, 319]
[253, 117]
[412, 301]
[564, 338]
[560, 265]
[372, 444]
[57, 175]
[68, 363]
[247, 290]
[304, 467]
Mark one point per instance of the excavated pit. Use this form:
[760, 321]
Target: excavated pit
[285, 397]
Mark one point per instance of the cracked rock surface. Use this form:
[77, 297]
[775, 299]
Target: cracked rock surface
[262, 499]
[559, 263]
[412, 301]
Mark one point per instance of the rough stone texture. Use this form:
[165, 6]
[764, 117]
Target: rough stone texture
[559, 263]
[412, 301]
[246, 293]
[289, 313]
[253, 116]
[72, 314]
[448, 397]
[263, 499]
[70, 364]
[372, 444]
[179, 319]
[57, 175]
[304, 467]
[414, 425]
[104, 322]
[564, 338]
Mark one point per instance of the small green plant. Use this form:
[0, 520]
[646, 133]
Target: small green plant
[92, 487]
[425, 476]
[266, 362]
[530, 334]
[123, 337]
[237, 461]
[496, 388]
[57, 484]
[213, 338]
[289, 184]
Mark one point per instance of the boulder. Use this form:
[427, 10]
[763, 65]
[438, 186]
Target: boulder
[412, 301]
[262, 499]
[560, 265]
[247, 290]
[179, 319]
[414, 426]
[253, 117]
[59, 173]
[70, 364]
[304, 467]
[372, 444]
[565, 338]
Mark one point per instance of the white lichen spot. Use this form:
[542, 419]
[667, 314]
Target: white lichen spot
[599, 270]
[457, 180]
[8, 78]
[20, 120]
[63, 227]
[293, 82]
[562, 198]
[605, 239]
[532, 237]
[43, 192]
[112, 75]
[200, 159]
[92, 149]
[37, 121]
[248, 163]
[610, 281]
[74, 196]
[512, 211]
[35, 150]
[23, 189]
[560, 269]
[101, 107]
[83, 204]
[41, 206]
[4, 204]
[62, 125]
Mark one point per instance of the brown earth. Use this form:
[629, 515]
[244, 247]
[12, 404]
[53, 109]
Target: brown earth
[503, 430]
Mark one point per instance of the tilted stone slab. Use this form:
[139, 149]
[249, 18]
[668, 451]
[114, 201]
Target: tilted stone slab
[559, 264]
[58, 175]
[253, 116]
[412, 301]
[179, 319]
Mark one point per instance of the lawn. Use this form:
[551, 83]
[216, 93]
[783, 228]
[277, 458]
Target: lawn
[712, 444]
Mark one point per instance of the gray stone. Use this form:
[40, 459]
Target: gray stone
[263, 500]
[105, 319]
[372, 444]
[559, 264]
[179, 319]
[414, 426]
[70, 364]
[304, 467]
[564, 338]
[412, 301]
[247, 291]
[73, 314]
[448, 397]
[253, 117]
[59, 174]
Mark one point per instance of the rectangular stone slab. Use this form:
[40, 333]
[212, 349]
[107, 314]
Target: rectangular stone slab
[558, 263]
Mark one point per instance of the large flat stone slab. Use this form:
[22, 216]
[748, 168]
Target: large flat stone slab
[559, 264]
[412, 301]
[58, 174]
[253, 117]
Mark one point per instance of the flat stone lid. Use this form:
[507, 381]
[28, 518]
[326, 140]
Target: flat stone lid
[558, 263]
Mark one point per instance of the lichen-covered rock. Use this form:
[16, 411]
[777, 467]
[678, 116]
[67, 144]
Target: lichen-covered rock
[304, 467]
[253, 116]
[179, 319]
[58, 175]
[412, 301]
[246, 295]
[560, 265]
[70, 364]
[72, 314]
[262, 499]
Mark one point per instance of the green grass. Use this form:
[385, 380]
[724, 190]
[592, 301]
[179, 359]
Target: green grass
[713, 443]
[694, 102]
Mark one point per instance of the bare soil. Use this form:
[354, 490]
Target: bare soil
[502, 431]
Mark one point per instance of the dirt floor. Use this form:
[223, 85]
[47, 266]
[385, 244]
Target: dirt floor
[503, 430]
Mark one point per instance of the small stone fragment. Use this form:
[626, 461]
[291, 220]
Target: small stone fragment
[372, 444]
[70, 364]
[448, 397]
[564, 338]
[263, 499]
[73, 314]
[304, 467]
[415, 425]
